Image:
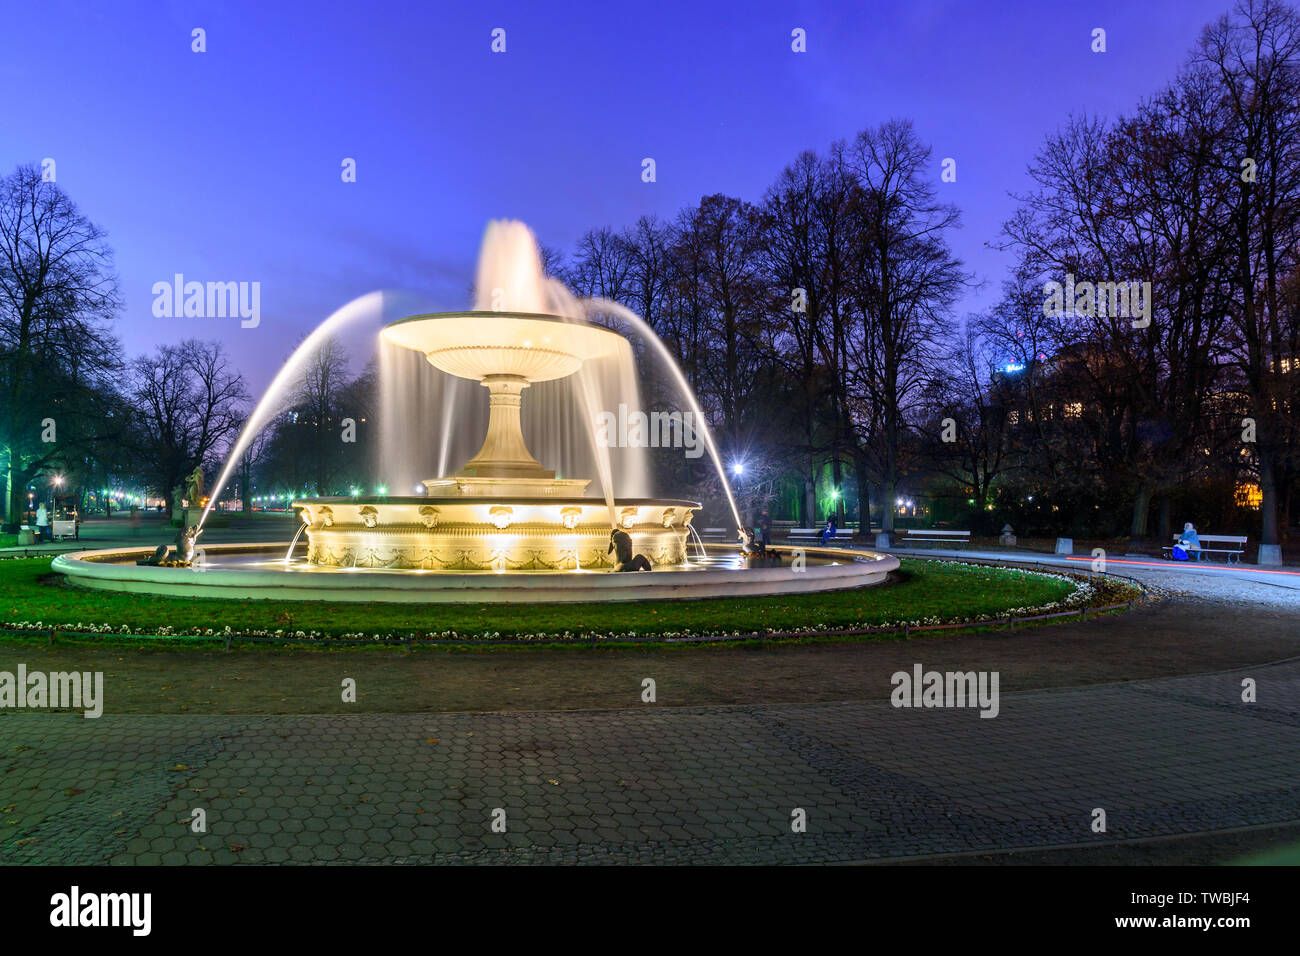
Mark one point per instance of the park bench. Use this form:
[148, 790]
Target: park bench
[1232, 545]
[814, 535]
[939, 536]
[717, 535]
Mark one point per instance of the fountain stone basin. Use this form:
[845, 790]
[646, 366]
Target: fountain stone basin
[482, 533]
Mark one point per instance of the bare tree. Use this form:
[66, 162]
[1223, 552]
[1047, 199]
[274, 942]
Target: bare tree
[1254, 52]
[57, 296]
[905, 279]
[188, 407]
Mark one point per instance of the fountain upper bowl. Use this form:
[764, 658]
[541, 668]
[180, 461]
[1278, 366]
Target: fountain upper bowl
[479, 345]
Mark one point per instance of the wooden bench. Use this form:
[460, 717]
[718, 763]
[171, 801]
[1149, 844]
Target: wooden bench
[717, 535]
[939, 536]
[1233, 545]
[814, 535]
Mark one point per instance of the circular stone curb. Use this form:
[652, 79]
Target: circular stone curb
[92, 569]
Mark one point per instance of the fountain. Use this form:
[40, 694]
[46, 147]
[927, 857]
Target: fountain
[505, 527]
[503, 510]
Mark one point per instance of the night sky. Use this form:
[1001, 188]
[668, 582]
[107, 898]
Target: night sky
[225, 165]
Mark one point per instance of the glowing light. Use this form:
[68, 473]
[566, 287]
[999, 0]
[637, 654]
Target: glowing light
[738, 469]
[1249, 495]
[1014, 367]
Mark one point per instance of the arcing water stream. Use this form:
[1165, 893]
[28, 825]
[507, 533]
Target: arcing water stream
[368, 306]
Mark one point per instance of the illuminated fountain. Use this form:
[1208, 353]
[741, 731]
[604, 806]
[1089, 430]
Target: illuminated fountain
[503, 511]
[505, 527]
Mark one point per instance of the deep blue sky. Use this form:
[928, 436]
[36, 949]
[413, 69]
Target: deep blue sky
[225, 165]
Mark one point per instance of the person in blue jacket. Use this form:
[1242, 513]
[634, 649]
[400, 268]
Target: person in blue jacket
[1190, 542]
[828, 532]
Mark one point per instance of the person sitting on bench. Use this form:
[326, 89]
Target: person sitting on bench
[828, 532]
[1189, 542]
[620, 542]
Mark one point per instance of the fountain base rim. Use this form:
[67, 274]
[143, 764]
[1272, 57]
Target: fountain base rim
[97, 569]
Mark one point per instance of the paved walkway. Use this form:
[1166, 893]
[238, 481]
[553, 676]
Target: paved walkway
[698, 785]
[1136, 565]
[695, 785]
[152, 530]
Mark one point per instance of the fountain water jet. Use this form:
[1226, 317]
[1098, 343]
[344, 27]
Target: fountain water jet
[503, 510]
[535, 332]
[649, 335]
[369, 306]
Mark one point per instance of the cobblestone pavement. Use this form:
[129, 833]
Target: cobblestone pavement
[697, 785]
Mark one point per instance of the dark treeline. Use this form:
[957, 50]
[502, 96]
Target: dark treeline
[1156, 382]
[817, 327]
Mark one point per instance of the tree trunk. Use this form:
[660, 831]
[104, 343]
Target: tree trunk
[837, 489]
[1288, 497]
[864, 498]
[12, 513]
[1165, 532]
[1268, 506]
[810, 497]
[1138, 527]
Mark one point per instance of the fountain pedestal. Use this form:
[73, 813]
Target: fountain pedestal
[504, 454]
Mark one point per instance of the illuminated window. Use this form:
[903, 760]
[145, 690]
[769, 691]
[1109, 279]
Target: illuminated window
[1013, 418]
[1249, 496]
[1073, 409]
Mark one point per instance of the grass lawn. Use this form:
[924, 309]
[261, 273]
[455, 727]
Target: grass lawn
[922, 590]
